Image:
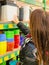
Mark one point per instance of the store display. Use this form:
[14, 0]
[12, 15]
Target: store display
[10, 40]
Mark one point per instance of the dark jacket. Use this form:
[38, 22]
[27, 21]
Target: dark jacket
[28, 50]
[23, 28]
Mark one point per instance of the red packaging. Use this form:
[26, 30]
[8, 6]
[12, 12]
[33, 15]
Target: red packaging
[16, 41]
[10, 46]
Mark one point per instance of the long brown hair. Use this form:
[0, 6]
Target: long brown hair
[39, 26]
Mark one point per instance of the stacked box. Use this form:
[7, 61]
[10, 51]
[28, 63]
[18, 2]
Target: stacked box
[3, 44]
[16, 38]
[10, 40]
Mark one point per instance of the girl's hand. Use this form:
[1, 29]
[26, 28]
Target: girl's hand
[15, 20]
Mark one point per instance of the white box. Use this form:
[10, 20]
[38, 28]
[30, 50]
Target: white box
[26, 14]
[8, 12]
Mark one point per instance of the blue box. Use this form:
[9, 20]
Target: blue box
[10, 39]
[2, 37]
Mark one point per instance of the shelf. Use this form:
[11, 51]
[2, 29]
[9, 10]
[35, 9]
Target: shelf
[32, 2]
[9, 26]
[9, 55]
[4, 26]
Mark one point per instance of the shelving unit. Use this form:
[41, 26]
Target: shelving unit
[9, 55]
[7, 25]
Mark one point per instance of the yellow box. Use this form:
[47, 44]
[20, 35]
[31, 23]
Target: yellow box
[10, 25]
[1, 26]
[3, 47]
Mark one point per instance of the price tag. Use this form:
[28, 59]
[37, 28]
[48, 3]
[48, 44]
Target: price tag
[12, 55]
[10, 25]
[6, 58]
[1, 60]
[1, 26]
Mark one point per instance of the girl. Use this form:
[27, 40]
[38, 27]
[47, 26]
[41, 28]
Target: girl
[39, 28]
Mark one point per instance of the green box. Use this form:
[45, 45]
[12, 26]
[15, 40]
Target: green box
[17, 32]
[9, 34]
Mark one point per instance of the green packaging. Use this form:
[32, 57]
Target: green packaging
[9, 34]
[17, 32]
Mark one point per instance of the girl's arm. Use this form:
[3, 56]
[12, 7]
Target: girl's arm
[25, 30]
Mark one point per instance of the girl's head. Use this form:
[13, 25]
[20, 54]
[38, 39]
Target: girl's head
[39, 26]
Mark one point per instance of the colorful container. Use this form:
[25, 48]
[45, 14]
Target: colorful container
[10, 40]
[2, 37]
[16, 32]
[10, 46]
[3, 44]
[9, 34]
[3, 47]
[17, 41]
